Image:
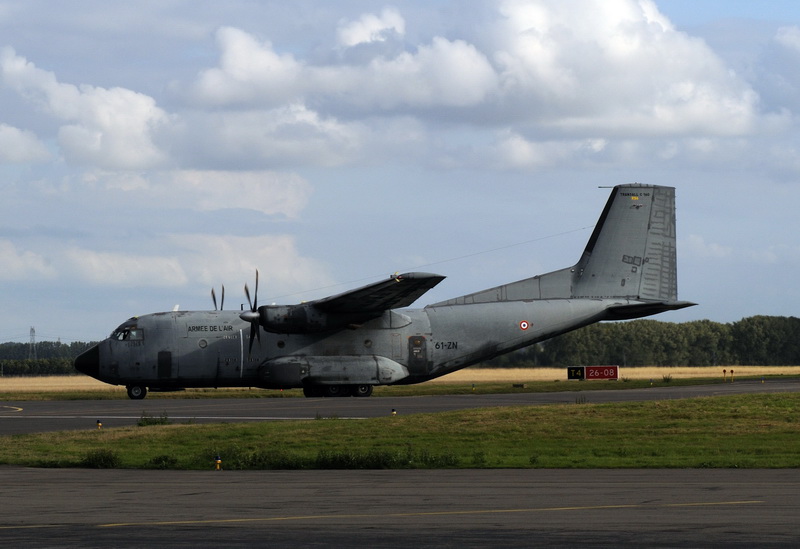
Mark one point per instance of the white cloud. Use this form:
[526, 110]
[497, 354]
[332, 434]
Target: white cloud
[789, 37]
[212, 259]
[22, 265]
[117, 269]
[271, 193]
[200, 259]
[589, 69]
[20, 146]
[285, 136]
[696, 246]
[444, 73]
[371, 28]
[450, 73]
[249, 71]
[513, 151]
[112, 128]
[616, 68]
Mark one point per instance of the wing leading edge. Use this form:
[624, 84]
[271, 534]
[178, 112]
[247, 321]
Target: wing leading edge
[348, 309]
[397, 291]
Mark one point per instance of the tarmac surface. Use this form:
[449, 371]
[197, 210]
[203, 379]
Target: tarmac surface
[420, 508]
[377, 509]
[42, 416]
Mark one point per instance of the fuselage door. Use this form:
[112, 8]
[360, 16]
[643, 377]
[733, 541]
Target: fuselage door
[164, 365]
[417, 355]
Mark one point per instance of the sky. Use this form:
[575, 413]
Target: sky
[151, 151]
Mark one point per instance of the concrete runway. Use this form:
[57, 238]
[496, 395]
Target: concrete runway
[438, 508]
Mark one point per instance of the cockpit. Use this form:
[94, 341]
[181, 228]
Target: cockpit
[128, 331]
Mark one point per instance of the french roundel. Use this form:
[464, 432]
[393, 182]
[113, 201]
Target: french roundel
[524, 325]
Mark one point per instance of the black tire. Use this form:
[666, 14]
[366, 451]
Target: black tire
[362, 390]
[137, 392]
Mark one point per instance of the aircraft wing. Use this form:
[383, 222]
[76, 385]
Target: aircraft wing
[398, 291]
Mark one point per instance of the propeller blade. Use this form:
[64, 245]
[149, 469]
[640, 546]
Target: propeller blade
[247, 293]
[222, 299]
[254, 333]
[252, 315]
[214, 298]
[255, 297]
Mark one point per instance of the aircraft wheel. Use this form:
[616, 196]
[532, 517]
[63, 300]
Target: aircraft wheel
[336, 391]
[137, 392]
[362, 390]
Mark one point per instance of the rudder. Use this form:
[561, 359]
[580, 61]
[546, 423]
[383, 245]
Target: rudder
[632, 251]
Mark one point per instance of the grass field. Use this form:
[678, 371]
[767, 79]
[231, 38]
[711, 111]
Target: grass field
[755, 431]
[741, 431]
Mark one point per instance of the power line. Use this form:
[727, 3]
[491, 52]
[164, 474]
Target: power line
[437, 262]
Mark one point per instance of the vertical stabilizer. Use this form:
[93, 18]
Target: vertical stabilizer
[631, 252]
[631, 255]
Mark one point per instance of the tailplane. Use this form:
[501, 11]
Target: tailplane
[630, 257]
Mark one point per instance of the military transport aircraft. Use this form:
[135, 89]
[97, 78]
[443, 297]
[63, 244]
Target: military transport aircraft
[346, 344]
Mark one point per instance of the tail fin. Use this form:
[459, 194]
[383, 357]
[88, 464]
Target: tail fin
[631, 255]
[631, 252]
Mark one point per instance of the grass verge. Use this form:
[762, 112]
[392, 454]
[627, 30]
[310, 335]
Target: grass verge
[748, 431]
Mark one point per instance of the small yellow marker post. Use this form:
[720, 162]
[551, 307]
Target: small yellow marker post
[394, 412]
[99, 424]
[731, 375]
[724, 376]
[218, 462]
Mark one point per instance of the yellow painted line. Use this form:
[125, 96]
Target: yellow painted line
[428, 514]
[12, 408]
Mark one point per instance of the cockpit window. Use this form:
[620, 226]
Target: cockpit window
[128, 333]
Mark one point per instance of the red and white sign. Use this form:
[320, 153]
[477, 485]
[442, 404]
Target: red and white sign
[602, 372]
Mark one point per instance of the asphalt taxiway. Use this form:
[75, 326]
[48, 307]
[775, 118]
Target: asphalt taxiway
[382, 509]
[41, 416]
[425, 508]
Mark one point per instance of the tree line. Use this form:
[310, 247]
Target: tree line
[753, 341]
[52, 358]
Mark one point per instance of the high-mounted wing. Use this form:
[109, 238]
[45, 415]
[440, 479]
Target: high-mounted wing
[398, 291]
[346, 310]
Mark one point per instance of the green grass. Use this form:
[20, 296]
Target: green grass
[747, 431]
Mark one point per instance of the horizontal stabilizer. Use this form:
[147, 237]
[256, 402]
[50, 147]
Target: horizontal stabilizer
[642, 309]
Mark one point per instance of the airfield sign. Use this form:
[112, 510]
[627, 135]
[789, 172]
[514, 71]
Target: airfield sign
[593, 372]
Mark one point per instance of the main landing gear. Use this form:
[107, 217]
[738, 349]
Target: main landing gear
[137, 392]
[315, 391]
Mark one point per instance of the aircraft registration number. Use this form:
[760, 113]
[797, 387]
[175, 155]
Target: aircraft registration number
[446, 345]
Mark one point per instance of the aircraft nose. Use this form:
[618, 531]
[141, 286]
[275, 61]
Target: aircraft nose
[88, 362]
